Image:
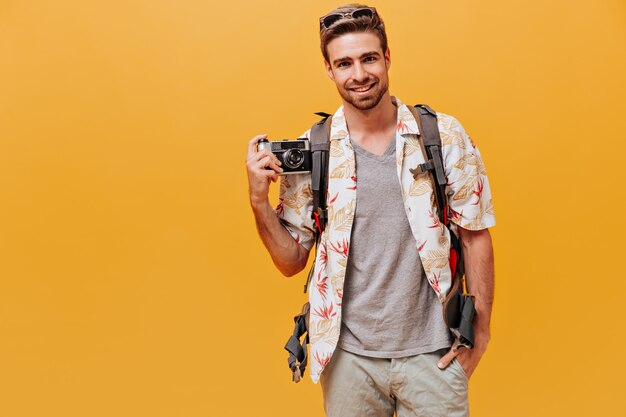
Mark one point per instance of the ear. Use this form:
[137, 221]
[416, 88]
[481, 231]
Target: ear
[329, 70]
[388, 57]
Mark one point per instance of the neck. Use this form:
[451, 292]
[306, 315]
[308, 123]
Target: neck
[375, 120]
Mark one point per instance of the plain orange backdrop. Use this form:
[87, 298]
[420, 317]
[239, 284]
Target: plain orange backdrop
[132, 280]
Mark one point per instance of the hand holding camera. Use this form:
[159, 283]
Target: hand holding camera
[267, 160]
[259, 176]
[294, 155]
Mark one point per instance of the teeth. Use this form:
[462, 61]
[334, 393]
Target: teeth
[362, 89]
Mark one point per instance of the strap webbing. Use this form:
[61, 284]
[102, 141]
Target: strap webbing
[320, 133]
[458, 306]
[298, 357]
[320, 147]
[430, 142]
[428, 121]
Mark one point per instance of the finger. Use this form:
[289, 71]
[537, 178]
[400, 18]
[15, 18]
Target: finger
[446, 359]
[263, 162]
[269, 161]
[257, 156]
[271, 155]
[270, 175]
[276, 160]
[274, 164]
[253, 143]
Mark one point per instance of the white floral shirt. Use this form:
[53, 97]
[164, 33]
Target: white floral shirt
[469, 198]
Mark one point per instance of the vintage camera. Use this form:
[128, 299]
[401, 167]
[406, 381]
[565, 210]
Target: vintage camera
[295, 155]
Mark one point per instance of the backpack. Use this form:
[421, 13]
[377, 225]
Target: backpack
[458, 307]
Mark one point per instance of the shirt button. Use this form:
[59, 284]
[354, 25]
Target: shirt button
[347, 211]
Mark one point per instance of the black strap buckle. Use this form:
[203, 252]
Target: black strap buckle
[422, 168]
[298, 357]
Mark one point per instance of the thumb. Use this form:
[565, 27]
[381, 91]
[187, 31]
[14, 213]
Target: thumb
[446, 359]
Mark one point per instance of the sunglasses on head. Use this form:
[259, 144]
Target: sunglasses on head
[330, 19]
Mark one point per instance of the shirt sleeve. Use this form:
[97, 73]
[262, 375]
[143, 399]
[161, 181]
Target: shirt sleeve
[295, 207]
[468, 190]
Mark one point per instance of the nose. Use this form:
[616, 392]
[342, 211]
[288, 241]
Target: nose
[359, 74]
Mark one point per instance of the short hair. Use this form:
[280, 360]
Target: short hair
[344, 26]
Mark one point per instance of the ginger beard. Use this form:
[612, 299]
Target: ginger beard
[364, 100]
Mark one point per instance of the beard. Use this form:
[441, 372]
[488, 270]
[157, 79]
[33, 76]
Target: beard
[365, 102]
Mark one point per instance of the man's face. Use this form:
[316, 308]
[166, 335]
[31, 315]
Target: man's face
[359, 68]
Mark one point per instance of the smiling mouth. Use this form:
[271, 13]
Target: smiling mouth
[363, 89]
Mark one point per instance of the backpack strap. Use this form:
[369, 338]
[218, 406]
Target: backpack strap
[430, 142]
[297, 344]
[319, 138]
[320, 146]
[458, 307]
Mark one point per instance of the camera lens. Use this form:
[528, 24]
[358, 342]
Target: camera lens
[293, 158]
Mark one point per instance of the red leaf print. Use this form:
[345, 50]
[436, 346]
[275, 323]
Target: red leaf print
[341, 248]
[325, 312]
[323, 361]
[332, 200]
[479, 190]
[402, 127]
[435, 219]
[323, 257]
[353, 178]
[420, 247]
[321, 284]
[435, 282]
[455, 215]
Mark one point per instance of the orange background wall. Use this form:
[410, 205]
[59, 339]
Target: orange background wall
[132, 281]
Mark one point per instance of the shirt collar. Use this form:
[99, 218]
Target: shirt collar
[406, 124]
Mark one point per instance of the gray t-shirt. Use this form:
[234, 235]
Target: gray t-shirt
[389, 309]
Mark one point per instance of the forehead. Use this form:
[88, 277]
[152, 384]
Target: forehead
[353, 45]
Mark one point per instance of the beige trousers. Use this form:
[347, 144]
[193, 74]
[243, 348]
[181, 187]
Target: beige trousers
[360, 386]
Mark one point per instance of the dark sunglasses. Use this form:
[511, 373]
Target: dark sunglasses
[329, 20]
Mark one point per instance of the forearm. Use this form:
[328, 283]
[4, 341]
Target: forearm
[479, 274]
[288, 255]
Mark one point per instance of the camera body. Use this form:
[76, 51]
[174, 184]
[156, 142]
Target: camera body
[294, 155]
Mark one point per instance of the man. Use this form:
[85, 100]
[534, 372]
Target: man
[377, 336]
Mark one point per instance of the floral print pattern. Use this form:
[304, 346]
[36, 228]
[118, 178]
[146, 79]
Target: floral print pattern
[469, 199]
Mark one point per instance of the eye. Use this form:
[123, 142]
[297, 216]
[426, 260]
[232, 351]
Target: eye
[343, 64]
[369, 59]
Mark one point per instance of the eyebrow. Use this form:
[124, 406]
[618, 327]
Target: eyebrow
[347, 58]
